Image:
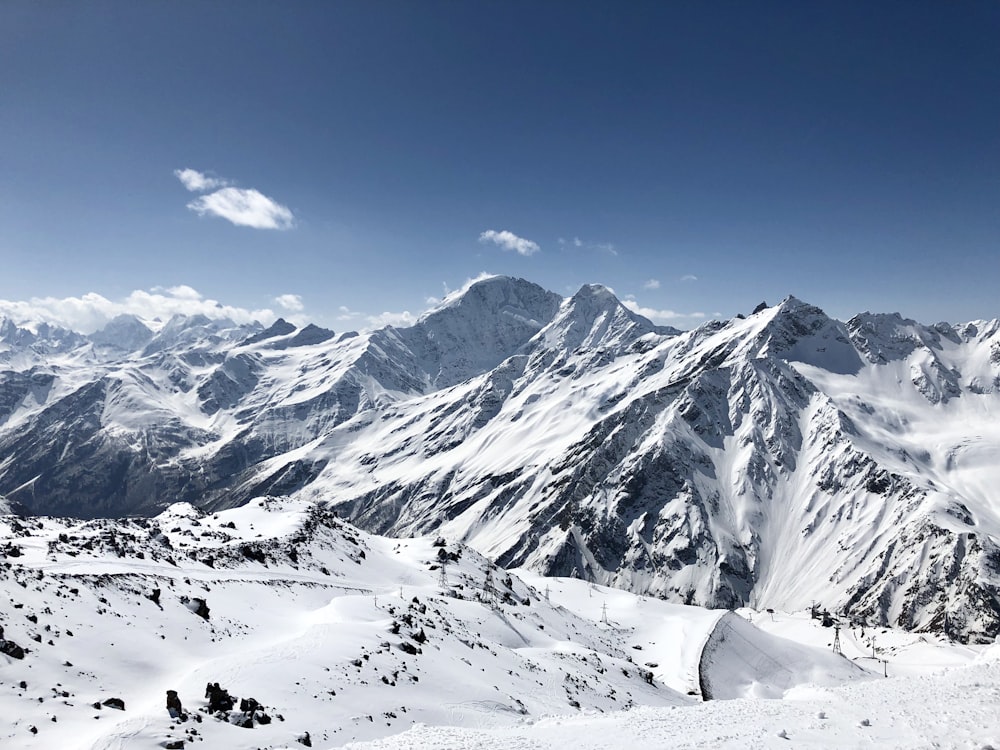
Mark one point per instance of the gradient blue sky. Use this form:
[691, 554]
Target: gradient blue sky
[695, 157]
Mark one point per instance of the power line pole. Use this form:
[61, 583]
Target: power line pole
[836, 639]
[489, 593]
[604, 613]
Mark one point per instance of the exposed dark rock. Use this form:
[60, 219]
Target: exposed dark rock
[11, 649]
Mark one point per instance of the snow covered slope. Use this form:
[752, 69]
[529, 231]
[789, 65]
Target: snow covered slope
[335, 633]
[769, 461]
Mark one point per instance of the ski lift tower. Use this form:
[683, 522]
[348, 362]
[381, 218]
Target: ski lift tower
[836, 639]
[443, 577]
[489, 593]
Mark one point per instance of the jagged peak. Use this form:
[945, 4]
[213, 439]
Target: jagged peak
[280, 327]
[802, 332]
[888, 336]
[792, 312]
[311, 334]
[504, 293]
[475, 328]
[597, 291]
[594, 317]
[125, 332]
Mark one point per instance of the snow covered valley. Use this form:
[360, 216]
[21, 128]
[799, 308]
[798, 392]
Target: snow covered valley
[350, 640]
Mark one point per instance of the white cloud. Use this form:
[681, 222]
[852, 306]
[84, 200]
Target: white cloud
[290, 302]
[91, 312]
[661, 316]
[198, 182]
[400, 319]
[372, 322]
[689, 277]
[181, 291]
[244, 207]
[601, 247]
[651, 284]
[510, 241]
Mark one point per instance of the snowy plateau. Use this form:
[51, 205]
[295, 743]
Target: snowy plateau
[526, 521]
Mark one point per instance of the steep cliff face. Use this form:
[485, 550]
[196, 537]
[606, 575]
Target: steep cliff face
[773, 460]
[766, 460]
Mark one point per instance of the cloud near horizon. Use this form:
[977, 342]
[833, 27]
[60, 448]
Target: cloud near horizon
[91, 312]
[401, 319]
[510, 241]
[244, 207]
[661, 316]
[290, 302]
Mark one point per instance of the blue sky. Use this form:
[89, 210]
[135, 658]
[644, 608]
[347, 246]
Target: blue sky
[696, 157]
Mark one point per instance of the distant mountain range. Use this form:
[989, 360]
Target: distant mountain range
[776, 460]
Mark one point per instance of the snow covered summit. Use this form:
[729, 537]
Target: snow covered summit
[770, 460]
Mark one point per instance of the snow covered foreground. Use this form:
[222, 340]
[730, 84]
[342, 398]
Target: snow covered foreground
[359, 641]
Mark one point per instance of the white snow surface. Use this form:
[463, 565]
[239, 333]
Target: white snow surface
[310, 616]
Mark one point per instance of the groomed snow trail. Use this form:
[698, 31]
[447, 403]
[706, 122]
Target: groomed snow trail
[954, 710]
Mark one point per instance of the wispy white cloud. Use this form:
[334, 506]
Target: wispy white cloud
[346, 314]
[198, 182]
[244, 207]
[651, 284]
[91, 312]
[290, 302]
[371, 322]
[510, 241]
[689, 277]
[662, 316]
[601, 247]
[398, 319]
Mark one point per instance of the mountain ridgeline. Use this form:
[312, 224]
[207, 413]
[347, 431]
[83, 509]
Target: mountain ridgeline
[773, 460]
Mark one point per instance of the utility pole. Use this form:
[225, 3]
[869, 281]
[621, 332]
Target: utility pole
[443, 578]
[604, 613]
[489, 594]
[836, 639]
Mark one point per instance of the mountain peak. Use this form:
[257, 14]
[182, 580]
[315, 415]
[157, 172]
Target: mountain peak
[595, 318]
[478, 327]
[801, 332]
[280, 327]
[124, 332]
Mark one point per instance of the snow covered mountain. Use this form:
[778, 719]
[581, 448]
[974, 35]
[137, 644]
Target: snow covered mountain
[771, 460]
[325, 635]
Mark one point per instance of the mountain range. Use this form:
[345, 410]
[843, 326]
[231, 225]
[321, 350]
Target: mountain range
[776, 459]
